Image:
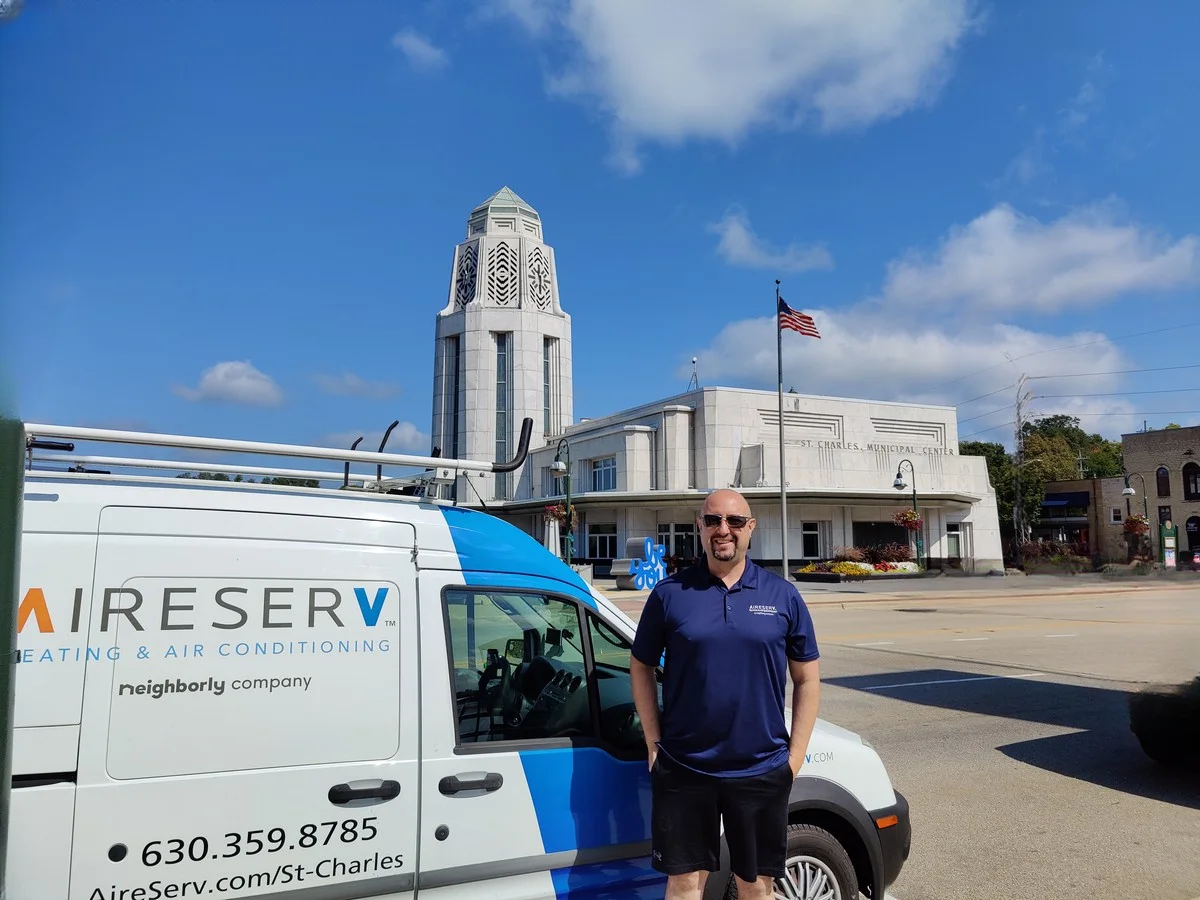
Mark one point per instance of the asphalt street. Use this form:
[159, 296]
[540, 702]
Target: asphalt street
[1000, 712]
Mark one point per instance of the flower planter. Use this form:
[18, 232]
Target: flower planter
[837, 578]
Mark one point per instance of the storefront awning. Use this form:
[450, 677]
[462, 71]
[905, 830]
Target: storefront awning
[1068, 498]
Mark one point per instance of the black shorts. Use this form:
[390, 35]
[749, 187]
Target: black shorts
[688, 810]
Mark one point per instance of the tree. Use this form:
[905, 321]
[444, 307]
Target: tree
[1002, 473]
[282, 480]
[1051, 456]
[1102, 458]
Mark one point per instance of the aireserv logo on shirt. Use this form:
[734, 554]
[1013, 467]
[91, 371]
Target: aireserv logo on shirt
[762, 609]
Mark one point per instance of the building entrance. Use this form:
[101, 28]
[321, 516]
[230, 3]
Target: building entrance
[679, 541]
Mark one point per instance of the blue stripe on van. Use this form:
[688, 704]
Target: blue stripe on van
[621, 879]
[486, 544]
[585, 798]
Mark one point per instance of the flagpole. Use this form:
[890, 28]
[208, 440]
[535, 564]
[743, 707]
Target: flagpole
[782, 452]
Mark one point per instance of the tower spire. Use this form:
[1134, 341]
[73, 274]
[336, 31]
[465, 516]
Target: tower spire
[503, 345]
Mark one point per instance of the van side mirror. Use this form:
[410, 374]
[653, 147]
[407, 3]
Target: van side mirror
[515, 649]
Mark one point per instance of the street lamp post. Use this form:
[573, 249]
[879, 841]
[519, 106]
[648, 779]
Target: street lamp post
[1128, 492]
[564, 468]
[899, 485]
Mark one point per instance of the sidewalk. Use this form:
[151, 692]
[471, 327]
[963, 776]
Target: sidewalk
[955, 588]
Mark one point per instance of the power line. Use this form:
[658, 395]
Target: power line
[986, 414]
[1118, 372]
[1108, 340]
[985, 430]
[1116, 394]
[1079, 375]
[1152, 412]
[1007, 387]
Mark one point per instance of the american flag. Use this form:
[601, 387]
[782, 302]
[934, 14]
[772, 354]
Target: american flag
[796, 321]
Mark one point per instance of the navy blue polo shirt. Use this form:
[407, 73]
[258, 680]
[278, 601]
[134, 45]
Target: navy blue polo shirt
[726, 666]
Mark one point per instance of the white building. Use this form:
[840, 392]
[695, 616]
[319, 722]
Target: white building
[504, 353]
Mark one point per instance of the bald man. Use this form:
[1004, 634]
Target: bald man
[732, 633]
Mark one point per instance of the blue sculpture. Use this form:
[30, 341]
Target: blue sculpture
[650, 569]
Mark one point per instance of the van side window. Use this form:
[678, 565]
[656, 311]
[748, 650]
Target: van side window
[620, 726]
[518, 666]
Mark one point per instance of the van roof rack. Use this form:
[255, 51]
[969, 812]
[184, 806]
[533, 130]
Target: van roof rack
[437, 469]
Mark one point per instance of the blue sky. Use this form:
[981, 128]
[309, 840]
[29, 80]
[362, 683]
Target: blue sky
[956, 192]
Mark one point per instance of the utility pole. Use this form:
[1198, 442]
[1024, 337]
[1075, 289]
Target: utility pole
[1023, 398]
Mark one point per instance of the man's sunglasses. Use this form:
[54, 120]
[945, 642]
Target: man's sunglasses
[735, 522]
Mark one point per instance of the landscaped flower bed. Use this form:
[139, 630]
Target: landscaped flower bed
[862, 562]
[855, 568]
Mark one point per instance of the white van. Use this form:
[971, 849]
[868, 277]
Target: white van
[238, 690]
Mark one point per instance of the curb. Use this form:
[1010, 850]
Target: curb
[819, 598]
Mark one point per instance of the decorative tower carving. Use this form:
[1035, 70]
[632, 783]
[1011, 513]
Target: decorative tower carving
[503, 347]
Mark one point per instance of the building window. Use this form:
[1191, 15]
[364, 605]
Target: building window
[503, 403]
[1191, 481]
[1164, 515]
[811, 536]
[953, 541]
[555, 485]
[549, 406]
[602, 540]
[1117, 519]
[678, 540]
[604, 474]
[1163, 476]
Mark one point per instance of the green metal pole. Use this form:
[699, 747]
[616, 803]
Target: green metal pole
[920, 542]
[12, 489]
[570, 518]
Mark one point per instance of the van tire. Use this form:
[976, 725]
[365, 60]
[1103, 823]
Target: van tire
[823, 851]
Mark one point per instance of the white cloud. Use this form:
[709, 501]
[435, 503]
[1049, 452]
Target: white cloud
[535, 16]
[348, 384]
[906, 344]
[671, 70]
[421, 52]
[1034, 159]
[1005, 262]
[234, 382]
[740, 246]
[861, 354]
[405, 438]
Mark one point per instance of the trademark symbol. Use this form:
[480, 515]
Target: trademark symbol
[390, 623]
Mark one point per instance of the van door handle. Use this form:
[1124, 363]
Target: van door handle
[369, 790]
[452, 784]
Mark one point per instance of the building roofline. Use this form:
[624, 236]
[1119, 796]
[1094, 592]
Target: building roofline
[696, 396]
[767, 494]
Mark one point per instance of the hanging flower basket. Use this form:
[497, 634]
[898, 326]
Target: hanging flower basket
[908, 518]
[1137, 524]
[558, 512]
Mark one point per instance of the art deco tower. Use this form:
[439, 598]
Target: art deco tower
[503, 347]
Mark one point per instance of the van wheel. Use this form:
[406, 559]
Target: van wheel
[817, 868]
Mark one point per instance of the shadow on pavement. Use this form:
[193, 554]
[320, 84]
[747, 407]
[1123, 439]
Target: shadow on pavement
[1104, 751]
